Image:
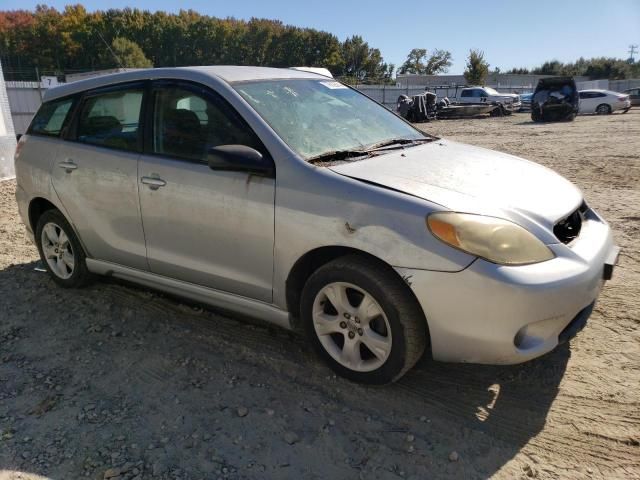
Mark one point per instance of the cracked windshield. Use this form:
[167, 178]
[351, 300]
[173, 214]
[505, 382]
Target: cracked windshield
[317, 117]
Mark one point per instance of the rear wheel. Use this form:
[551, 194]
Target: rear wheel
[363, 320]
[60, 250]
[603, 109]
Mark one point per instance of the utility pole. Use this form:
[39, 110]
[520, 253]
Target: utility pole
[632, 50]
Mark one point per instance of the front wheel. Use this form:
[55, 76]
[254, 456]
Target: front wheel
[536, 116]
[60, 250]
[363, 320]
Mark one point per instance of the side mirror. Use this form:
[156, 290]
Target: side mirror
[239, 158]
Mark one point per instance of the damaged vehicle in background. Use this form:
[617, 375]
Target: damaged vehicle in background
[290, 197]
[525, 100]
[474, 95]
[555, 99]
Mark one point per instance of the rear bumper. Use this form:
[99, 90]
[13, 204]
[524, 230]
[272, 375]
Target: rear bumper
[623, 105]
[503, 315]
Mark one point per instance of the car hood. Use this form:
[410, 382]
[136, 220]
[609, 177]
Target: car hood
[471, 179]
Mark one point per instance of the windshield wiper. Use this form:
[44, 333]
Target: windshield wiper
[397, 143]
[371, 150]
[338, 155]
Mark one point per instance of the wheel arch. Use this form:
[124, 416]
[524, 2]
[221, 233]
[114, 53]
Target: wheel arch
[37, 206]
[308, 263]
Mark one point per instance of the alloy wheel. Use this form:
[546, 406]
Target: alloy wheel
[352, 327]
[57, 250]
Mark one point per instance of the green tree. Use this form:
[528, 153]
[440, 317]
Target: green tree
[361, 61]
[518, 71]
[477, 68]
[126, 53]
[553, 67]
[420, 63]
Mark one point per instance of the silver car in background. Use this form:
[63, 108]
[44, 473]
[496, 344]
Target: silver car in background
[290, 197]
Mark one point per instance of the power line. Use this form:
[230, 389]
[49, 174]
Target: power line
[632, 50]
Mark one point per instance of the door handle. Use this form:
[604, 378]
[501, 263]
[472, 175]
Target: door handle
[153, 182]
[68, 165]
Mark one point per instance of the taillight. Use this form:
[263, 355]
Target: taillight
[623, 99]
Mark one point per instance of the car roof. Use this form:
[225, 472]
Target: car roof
[226, 73]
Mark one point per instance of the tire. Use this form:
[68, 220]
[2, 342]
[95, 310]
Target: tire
[535, 115]
[395, 329]
[603, 109]
[60, 250]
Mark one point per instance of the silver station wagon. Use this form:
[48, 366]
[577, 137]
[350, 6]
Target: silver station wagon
[290, 197]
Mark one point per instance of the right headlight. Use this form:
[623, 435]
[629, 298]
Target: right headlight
[494, 239]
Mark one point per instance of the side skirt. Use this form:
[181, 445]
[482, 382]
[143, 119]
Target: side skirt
[197, 293]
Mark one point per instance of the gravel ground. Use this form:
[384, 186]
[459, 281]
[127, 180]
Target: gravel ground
[115, 382]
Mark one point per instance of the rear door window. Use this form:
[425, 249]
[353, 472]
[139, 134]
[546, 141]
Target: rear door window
[51, 118]
[112, 119]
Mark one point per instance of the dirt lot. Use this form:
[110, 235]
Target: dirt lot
[117, 382]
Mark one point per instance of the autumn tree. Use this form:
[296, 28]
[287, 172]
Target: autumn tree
[477, 68]
[74, 39]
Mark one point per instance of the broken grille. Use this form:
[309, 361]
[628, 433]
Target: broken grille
[568, 229]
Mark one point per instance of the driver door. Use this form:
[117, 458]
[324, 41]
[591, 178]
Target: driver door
[210, 228]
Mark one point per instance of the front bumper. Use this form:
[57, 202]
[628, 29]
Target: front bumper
[496, 314]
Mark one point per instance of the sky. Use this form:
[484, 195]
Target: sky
[511, 33]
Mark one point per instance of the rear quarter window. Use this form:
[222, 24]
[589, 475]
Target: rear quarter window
[51, 118]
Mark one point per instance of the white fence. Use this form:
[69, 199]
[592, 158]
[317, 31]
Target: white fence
[25, 99]
[7, 134]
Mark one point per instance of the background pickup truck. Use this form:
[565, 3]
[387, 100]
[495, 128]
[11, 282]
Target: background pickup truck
[510, 101]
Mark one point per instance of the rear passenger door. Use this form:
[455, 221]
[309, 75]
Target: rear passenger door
[210, 228]
[95, 174]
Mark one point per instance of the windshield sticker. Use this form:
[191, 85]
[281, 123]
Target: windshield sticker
[333, 85]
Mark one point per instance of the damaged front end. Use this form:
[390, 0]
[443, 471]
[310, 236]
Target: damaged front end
[555, 100]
